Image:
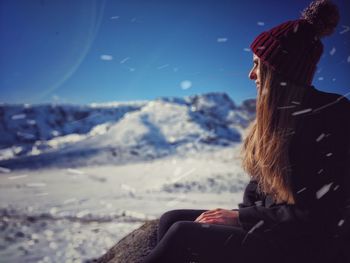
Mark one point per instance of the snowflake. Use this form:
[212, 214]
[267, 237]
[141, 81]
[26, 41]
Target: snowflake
[341, 222]
[222, 39]
[106, 57]
[324, 189]
[319, 138]
[346, 29]
[124, 60]
[301, 112]
[301, 190]
[186, 84]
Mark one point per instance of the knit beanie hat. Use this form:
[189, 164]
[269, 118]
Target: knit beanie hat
[294, 48]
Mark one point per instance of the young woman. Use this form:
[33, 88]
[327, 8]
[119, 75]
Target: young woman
[297, 154]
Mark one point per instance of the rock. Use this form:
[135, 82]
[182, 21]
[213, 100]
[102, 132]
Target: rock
[134, 247]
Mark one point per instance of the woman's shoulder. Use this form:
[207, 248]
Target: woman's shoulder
[321, 101]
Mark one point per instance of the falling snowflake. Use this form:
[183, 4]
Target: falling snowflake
[283, 84]
[186, 84]
[348, 60]
[319, 138]
[301, 190]
[260, 23]
[106, 57]
[247, 49]
[222, 40]
[163, 66]
[258, 203]
[323, 190]
[286, 107]
[320, 78]
[301, 112]
[335, 187]
[346, 29]
[18, 117]
[257, 225]
[296, 27]
[341, 222]
[320, 171]
[114, 17]
[329, 154]
[334, 79]
[31, 122]
[124, 60]
[332, 52]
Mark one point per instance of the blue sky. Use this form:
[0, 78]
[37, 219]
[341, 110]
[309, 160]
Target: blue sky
[98, 51]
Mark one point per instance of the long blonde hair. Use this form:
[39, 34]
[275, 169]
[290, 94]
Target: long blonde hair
[266, 147]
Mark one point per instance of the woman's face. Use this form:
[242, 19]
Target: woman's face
[254, 73]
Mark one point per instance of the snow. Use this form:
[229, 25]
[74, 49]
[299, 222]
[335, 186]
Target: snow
[124, 60]
[222, 39]
[345, 30]
[324, 190]
[320, 137]
[301, 112]
[93, 173]
[83, 216]
[332, 52]
[106, 57]
[185, 84]
[163, 66]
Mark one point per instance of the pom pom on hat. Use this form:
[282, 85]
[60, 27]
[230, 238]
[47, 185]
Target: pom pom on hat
[323, 15]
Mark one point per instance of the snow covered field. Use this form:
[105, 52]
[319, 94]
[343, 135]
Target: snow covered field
[76, 179]
[72, 215]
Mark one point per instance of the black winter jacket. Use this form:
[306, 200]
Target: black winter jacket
[320, 162]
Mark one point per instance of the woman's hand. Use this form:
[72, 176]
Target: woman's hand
[219, 216]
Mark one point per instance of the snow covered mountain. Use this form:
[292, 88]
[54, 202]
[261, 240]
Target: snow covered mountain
[43, 135]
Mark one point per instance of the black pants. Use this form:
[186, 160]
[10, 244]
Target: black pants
[180, 240]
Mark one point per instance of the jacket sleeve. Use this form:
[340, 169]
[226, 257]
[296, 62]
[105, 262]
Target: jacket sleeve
[251, 196]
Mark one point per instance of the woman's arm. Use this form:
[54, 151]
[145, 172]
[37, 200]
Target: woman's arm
[231, 217]
[251, 197]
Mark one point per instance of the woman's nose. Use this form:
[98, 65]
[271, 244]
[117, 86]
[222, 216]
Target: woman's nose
[252, 75]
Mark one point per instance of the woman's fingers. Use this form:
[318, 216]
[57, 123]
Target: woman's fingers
[219, 216]
[216, 211]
